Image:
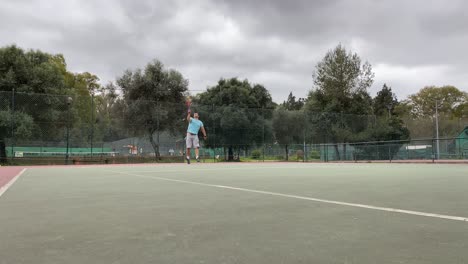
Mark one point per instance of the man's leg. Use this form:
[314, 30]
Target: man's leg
[196, 145]
[188, 155]
[189, 144]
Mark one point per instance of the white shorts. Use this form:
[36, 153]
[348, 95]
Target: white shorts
[192, 141]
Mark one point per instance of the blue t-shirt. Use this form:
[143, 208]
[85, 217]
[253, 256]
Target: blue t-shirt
[194, 126]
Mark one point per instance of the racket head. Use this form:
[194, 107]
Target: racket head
[188, 103]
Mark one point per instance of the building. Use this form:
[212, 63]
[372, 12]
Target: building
[461, 143]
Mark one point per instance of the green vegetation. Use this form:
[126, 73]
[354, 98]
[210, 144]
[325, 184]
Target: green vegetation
[42, 102]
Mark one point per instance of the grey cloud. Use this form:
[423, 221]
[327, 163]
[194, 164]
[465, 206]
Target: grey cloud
[276, 43]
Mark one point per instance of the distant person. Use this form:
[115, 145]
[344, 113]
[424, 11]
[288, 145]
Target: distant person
[192, 140]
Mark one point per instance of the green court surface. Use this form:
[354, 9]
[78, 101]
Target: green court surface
[237, 213]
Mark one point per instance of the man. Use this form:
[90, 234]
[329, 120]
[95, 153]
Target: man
[192, 135]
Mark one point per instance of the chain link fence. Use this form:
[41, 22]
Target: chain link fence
[89, 129]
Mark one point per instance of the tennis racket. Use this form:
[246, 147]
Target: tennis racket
[188, 103]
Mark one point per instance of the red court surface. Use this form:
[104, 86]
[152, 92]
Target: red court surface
[7, 174]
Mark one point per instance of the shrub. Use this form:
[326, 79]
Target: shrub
[256, 154]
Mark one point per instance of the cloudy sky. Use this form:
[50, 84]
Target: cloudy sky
[276, 43]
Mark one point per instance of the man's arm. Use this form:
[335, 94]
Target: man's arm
[188, 116]
[204, 132]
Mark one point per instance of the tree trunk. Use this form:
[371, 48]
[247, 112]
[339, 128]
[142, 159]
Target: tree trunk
[287, 152]
[155, 147]
[230, 154]
[337, 152]
[3, 157]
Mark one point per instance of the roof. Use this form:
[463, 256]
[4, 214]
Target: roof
[464, 133]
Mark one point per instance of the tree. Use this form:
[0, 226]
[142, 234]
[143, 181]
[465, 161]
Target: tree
[339, 77]
[23, 128]
[288, 127]
[420, 109]
[385, 102]
[86, 86]
[154, 100]
[385, 129]
[238, 112]
[339, 105]
[450, 101]
[30, 72]
[110, 109]
[35, 82]
[292, 104]
[89, 81]
[388, 126]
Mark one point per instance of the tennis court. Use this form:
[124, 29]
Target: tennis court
[236, 213]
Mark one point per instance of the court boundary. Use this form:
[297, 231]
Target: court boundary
[300, 197]
[155, 164]
[5, 187]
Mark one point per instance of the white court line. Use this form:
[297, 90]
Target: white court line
[260, 166]
[371, 207]
[10, 183]
[215, 169]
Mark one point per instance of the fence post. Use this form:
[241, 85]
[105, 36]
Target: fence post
[326, 149]
[214, 134]
[390, 153]
[92, 123]
[13, 125]
[355, 154]
[304, 137]
[263, 133]
[158, 109]
[305, 155]
[67, 155]
[433, 154]
[407, 150]
[460, 152]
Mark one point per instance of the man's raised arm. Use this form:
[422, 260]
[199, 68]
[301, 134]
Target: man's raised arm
[188, 116]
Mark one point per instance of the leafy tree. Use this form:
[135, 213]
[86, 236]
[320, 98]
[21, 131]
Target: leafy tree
[30, 72]
[288, 127]
[388, 126]
[340, 77]
[340, 104]
[385, 102]
[83, 86]
[418, 111]
[292, 104]
[86, 86]
[238, 113]
[110, 112]
[23, 126]
[385, 129]
[449, 99]
[35, 82]
[89, 81]
[154, 100]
